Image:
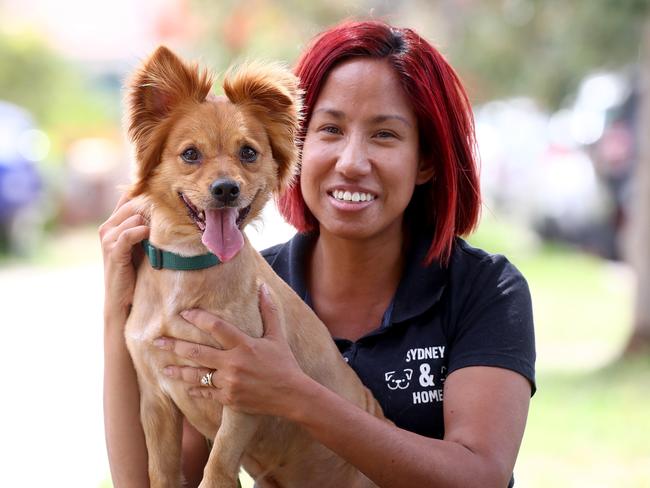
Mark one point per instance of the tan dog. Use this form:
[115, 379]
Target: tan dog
[206, 167]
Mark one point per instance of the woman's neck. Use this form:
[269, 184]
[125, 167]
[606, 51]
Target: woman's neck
[352, 281]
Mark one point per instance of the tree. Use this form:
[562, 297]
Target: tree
[639, 248]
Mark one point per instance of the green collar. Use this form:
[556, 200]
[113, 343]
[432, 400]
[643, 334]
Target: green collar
[160, 259]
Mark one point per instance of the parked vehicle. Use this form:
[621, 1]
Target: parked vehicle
[21, 184]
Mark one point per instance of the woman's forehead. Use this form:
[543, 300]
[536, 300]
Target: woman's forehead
[364, 85]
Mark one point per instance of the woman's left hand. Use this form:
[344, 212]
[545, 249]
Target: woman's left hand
[252, 375]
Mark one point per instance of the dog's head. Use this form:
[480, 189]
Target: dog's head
[208, 163]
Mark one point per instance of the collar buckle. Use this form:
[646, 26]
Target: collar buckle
[155, 255]
[157, 263]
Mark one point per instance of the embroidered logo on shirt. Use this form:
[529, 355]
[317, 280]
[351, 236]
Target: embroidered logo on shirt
[398, 381]
[427, 386]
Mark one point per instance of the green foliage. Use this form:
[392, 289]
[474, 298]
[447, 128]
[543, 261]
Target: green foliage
[544, 47]
[53, 90]
[269, 30]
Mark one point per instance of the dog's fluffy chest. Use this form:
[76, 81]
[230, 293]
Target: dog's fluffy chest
[161, 295]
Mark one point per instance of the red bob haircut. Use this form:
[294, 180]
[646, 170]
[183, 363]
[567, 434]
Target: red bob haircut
[449, 204]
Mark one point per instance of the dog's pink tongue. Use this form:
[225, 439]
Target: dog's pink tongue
[221, 235]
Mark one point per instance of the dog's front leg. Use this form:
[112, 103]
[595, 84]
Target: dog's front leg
[162, 423]
[234, 436]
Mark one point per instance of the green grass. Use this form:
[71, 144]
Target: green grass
[589, 429]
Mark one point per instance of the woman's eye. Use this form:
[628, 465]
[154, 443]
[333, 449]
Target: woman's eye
[330, 129]
[384, 134]
[191, 155]
[248, 154]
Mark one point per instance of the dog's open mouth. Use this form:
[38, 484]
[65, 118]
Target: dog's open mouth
[198, 216]
[221, 228]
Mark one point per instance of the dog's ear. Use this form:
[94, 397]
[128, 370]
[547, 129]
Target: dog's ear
[271, 92]
[160, 85]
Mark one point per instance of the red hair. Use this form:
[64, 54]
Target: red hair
[449, 204]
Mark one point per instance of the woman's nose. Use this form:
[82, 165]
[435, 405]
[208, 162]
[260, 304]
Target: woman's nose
[353, 160]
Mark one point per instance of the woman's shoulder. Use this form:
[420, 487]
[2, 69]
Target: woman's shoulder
[271, 253]
[469, 262]
[490, 316]
[288, 260]
[485, 287]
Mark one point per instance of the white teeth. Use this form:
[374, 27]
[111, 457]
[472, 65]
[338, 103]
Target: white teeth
[347, 196]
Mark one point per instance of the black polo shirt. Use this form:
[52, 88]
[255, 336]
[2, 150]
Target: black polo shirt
[475, 312]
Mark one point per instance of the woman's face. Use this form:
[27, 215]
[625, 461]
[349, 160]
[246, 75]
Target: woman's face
[360, 159]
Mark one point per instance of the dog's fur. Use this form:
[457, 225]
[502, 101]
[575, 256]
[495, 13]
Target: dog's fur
[170, 108]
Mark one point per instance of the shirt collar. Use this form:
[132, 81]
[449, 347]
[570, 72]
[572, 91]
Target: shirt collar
[421, 286]
[419, 289]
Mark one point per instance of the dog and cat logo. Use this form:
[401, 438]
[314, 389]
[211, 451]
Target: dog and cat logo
[402, 379]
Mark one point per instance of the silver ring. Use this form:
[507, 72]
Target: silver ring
[206, 379]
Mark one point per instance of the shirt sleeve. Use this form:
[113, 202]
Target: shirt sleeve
[493, 324]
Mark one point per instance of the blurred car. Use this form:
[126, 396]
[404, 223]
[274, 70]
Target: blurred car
[565, 175]
[21, 183]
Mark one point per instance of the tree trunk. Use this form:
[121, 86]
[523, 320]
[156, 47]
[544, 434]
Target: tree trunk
[639, 244]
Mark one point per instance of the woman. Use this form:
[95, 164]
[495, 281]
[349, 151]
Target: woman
[440, 332]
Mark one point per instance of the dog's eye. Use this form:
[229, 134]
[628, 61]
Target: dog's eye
[248, 154]
[191, 155]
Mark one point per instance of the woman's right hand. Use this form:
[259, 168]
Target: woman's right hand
[124, 229]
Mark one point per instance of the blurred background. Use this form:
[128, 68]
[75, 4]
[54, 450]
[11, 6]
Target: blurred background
[562, 104]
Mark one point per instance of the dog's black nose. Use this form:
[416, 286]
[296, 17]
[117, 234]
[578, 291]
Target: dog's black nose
[224, 191]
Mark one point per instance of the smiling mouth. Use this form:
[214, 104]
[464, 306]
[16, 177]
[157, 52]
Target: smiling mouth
[352, 197]
[198, 216]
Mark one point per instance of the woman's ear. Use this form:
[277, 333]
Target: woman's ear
[425, 171]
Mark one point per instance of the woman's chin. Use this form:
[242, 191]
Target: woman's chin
[357, 230]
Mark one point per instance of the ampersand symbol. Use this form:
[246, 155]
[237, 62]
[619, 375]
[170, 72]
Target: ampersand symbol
[426, 379]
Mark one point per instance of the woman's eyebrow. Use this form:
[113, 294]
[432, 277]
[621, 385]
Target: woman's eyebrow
[378, 119]
[383, 118]
[337, 114]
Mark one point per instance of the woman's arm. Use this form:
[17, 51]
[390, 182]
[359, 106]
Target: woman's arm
[485, 409]
[127, 452]
[485, 414]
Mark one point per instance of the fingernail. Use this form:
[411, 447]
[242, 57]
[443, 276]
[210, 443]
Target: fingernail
[265, 289]
[168, 370]
[160, 342]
